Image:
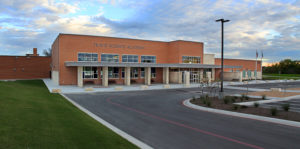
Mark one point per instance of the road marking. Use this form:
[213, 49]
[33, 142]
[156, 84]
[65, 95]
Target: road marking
[183, 125]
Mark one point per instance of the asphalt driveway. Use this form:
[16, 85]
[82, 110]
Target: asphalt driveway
[159, 119]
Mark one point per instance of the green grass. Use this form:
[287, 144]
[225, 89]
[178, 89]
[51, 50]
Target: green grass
[31, 117]
[269, 76]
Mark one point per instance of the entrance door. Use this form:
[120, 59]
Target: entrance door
[194, 77]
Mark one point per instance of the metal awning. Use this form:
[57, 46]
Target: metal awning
[102, 64]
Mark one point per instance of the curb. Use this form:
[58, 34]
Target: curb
[123, 134]
[187, 103]
[271, 100]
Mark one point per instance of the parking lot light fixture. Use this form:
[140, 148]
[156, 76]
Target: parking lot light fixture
[222, 51]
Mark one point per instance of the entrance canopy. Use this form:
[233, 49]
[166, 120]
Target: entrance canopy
[104, 64]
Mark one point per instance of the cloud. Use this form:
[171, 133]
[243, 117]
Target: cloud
[269, 25]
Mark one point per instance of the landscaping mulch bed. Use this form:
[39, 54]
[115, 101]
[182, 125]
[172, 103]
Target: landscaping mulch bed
[219, 104]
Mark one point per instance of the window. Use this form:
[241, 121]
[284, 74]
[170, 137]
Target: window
[191, 59]
[255, 73]
[249, 73]
[134, 73]
[123, 73]
[113, 72]
[110, 58]
[90, 73]
[148, 59]
[130, 58]
[244, 73]
[87, 57]
[153, 73]
[142, 72]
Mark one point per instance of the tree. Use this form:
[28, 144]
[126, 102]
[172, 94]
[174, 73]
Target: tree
[47, 52]
[286, 66]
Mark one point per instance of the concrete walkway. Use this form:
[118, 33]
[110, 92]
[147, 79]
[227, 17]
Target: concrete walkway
[111, 88]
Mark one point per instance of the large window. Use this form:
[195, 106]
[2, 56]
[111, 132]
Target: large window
[134, 73]
[148, 59]
[153, 73]
[130, 58]
[87, 57]
[109, 58]
[191, 59]
[113, 72]
[142, 72]
[123, 73]
[90, 73]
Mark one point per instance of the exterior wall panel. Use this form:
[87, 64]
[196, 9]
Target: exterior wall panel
[24, 67]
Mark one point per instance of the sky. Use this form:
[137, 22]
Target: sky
[271, 26]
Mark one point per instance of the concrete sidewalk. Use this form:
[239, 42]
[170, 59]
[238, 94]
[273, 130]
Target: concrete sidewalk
[111, 88]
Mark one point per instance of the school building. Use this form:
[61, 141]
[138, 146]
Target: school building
[97, 60]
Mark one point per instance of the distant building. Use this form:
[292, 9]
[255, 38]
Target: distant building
[31, 66]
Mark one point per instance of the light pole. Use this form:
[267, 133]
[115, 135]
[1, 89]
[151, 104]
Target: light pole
[222, 50]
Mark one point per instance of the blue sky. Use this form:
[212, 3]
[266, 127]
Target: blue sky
[269, 25]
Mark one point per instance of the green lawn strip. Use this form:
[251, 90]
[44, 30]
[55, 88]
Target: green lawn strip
[268, 76]
[282, 75]
[31, 117]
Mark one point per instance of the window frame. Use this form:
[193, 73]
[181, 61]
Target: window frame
[128, 58]
[109, 54]
[85, 59]
[92, 72]
[148, 59]
[191, 59]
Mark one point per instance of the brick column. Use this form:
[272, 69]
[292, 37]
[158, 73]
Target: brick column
[201, 75]
[105, 76]
[79, 76]
[186, 78]
[127, 76]
[208, 75]
[213, 74]
[166, 75]
[148, 76]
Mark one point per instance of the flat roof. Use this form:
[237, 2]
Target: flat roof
[127, 38]
[101, 64]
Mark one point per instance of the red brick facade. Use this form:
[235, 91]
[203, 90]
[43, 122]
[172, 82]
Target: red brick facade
[24, 67]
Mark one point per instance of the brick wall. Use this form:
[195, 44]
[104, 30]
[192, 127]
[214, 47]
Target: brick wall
[24, 67]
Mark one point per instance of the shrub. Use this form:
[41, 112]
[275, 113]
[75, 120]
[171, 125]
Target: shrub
[256, 104]
[246, 97]
[242, 97]
[274, 111]
[263, 97]
[285, 107]
[234, 98]
[227, 99]
[244, 107]
[206, 96]
[236, 107]
[194, 98]
[208, 103]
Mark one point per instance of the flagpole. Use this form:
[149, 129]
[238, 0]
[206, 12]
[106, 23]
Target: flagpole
[256, 66]
[262, 55]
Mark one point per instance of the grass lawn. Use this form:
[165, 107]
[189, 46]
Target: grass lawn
[31, 117]
[269, 76]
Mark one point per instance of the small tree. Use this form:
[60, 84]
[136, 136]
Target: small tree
[273, 111]
[47, 52]
[285, 107]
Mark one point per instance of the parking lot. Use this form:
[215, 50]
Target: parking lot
[159, 119]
